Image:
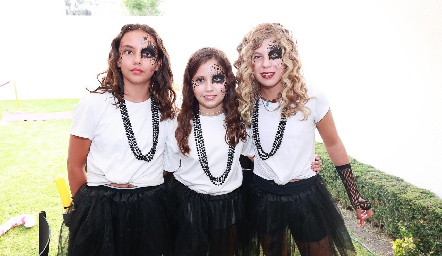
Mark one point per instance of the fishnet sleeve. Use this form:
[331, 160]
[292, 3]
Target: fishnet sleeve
[347, 178]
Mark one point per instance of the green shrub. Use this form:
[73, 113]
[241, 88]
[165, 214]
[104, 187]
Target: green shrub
[394, 201]
[406, 245]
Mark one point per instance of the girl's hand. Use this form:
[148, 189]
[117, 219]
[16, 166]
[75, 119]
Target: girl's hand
[362, 215]
[316, 165]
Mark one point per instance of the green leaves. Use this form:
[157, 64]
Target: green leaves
[143, 7]
[396, 205]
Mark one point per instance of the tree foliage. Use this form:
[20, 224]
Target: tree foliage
[77, 7]
[127, 7]
[143, 7]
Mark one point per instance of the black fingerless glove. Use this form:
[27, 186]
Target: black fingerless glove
[347, 178]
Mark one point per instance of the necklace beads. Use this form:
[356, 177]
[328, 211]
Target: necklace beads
[278, 137]
[130, 134]
[202, 155]
[210, 114]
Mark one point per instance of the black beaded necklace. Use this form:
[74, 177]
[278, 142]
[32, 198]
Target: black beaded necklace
[278, 137]
[130, 134]
[202, 156]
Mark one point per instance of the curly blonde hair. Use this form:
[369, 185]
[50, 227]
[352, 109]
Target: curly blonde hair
[235, 128]
[294, 93]
[162, 82]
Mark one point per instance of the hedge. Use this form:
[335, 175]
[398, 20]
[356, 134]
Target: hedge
[397, 205]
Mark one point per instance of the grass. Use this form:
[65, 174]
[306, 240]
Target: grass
[37, 106]
[32, 156]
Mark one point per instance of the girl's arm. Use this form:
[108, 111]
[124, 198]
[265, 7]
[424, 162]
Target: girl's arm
[333, 144]
[76, 163]
[338, 155]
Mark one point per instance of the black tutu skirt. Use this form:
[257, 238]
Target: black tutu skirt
[207, 224]
[109, 221]
[299, 216]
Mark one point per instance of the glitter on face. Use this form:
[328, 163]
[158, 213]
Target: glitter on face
[218, 77]
[209, 84]
[148, 52]
[275, 51]
[195, 84]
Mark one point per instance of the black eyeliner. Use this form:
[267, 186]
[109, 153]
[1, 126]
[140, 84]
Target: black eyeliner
[221, 78]
[150, 50]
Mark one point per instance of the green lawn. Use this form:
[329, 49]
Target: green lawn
[32, 156]
[37, 106]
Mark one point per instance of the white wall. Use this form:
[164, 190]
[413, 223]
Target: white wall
[379, 62]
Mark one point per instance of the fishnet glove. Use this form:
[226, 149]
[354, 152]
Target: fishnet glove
[347, 178]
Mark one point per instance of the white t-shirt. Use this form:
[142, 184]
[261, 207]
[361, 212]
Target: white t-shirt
[297, 151]
[191, 174]
[110, 159]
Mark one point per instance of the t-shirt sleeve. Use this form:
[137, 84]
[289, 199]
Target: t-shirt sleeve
[322, 105]
[249, 147]
[83, 121]
[171, 151]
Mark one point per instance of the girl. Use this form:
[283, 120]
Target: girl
[209, 139]
[116, 148]
[289, 202]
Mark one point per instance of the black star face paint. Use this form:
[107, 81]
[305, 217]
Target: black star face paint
[217, 74]
[149, 52]
[146, 50]
[209, 86]
[268, 67]
[275, 51]
[197, 82]
[138, 57]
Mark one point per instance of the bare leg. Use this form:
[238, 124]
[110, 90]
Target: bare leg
[321, 247]
[275, 247]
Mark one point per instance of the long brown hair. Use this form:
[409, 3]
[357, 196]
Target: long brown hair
[162, 81]
[235, 128]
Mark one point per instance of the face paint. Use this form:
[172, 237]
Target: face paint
[217, 73]
[197, 82]
[148, 52]
[209, 86]
[138, 58]
[145, 53]
[275, 52]
[218, 76]
[268, 67]
[218, 79]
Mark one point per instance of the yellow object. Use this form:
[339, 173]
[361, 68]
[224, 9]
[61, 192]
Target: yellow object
[64, 193]
[16, 97]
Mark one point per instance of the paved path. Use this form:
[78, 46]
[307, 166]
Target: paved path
[20, 116]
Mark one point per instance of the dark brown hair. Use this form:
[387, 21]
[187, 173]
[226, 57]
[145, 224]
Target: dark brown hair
[235, 128]
[162, 81]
